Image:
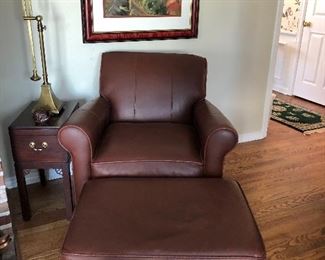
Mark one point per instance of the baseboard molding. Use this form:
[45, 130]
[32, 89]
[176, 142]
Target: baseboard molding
[282, 90]
[243, 138]
[31, 178]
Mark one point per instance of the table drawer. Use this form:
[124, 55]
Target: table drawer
[38, 148]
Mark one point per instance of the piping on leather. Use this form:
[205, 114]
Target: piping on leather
[210, 135]
[79, 128]
[135, 161]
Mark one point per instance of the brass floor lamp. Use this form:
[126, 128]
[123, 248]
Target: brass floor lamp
[47, 100]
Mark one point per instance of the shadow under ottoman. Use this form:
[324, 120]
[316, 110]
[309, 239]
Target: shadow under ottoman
[162, 218]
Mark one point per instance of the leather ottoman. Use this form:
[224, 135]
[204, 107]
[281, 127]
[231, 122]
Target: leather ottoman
[162, 218]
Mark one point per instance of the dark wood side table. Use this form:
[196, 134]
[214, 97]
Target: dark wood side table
[37, 147]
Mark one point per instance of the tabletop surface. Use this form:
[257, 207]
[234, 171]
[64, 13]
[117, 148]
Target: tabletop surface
[25, 118]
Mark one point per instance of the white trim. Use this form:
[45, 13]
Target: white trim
[31, 178]
[243, 138]
[299, 44]
[4, 227]
[268, 95]
[6, 213]
[290, 85]
[299, 35]
[3, 194]
[281, 89]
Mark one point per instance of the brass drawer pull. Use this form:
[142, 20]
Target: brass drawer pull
[32, 145]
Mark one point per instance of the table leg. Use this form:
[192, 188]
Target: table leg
[23, 194]
[42, 177]
[67, 190]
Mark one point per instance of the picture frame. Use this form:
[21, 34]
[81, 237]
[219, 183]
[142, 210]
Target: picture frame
[98, 28]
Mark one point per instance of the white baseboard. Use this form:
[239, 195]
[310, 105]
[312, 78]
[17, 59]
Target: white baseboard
[282, 90]
[33, 177]
[243, 138]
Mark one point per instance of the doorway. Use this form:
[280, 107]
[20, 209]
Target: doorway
[300, 63]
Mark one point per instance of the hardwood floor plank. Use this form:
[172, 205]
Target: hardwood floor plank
[42, 242]
[283, 177]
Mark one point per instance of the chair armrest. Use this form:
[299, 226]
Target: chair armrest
[79, 136]
[217, 136]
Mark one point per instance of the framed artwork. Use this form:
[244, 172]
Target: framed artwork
[127, 20]
[291, 16]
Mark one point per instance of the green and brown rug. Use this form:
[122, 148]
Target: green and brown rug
[299, 118]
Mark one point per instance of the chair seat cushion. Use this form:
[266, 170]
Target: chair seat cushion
[162, 218]
[149, 149]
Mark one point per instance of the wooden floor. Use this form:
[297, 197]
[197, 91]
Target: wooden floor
[283, 177]
[42, 236]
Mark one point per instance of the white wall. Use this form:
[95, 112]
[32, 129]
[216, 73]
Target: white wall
[234, 35]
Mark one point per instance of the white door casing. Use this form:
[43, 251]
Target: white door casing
[310, 78]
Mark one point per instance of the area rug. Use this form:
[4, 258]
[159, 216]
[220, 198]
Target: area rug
[297, 117]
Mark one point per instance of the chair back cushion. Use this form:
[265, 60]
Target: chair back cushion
[159, 87]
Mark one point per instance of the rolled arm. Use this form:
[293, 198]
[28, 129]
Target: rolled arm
[217, 136]
[79, 136]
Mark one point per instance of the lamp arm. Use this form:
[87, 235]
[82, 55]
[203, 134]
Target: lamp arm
[27, 10]
[41, 28]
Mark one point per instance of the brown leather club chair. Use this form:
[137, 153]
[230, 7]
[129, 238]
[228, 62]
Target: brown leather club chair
[151, 120]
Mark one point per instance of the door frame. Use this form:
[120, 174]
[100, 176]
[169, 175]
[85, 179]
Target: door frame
[275, 44]
[296, 56]
[269, 87]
